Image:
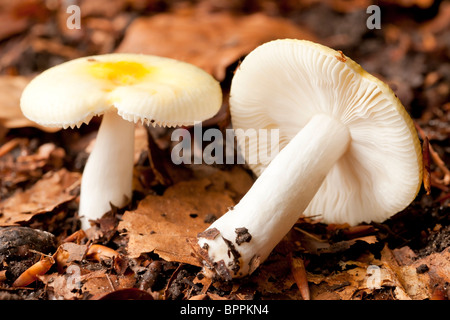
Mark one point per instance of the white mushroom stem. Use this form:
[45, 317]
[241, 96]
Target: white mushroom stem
[108, 174]
[276, 200]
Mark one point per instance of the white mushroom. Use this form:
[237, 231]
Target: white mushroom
[125, 88]
[349, 151]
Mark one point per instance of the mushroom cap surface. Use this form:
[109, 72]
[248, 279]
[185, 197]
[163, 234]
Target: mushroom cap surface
[282, 84]
[142, 88]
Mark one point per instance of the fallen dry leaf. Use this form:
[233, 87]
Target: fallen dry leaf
[274, 279]
[161, 224]
[235, 182]
[61, 286]
[103, 283]
[69, 252]
[78, 282]
[211, 41]
[44, 196]
[420, 277]
[315, 245]
[127, 294]
[417, 278]
[408, 277]
[343, 284]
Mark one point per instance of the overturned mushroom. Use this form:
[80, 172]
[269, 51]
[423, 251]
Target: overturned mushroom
[349, 150]
[125, 88]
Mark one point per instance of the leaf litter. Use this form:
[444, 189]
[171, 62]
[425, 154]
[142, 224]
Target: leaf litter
[140, 252]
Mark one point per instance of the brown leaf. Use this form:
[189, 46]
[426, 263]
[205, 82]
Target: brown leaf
[162, 223]
[406, 283]
[44, 196]
[418, 278]
[235, 182]
[127, 294]
[436, 273]
[211, 41]
[343, 284]
[61, 286]
[104, 283]
[67, 253]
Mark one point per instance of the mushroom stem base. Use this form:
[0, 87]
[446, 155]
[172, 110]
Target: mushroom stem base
[108, 174]
[275, 201]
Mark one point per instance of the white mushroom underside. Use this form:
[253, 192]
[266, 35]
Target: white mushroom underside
[381, 172]
[279, 196]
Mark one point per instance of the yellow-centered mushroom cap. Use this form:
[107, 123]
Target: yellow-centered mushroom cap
[143, 88]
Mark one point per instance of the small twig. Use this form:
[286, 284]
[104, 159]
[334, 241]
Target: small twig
[310, 235]
[110, 282]
[15, 288]
[41, 253]
[10, 145]
[426, 165]
[436, 158]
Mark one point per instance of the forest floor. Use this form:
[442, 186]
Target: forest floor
[140, 252]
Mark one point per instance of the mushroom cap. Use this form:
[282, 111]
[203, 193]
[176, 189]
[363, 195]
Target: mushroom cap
[282, 84]
[142, 88]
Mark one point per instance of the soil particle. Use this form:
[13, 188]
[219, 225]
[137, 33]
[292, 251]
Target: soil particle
[210, 218]
[150, 277]
[233, 265]
[222, 270]
[242, 235]
[209, 234]
[437, 241]
[422, 268]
